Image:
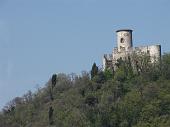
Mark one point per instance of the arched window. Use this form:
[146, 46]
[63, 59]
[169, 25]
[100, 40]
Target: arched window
[122, 40]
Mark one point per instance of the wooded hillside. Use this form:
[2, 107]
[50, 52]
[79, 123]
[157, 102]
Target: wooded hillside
[121, 98]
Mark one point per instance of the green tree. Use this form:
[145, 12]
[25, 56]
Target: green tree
[165, 66]
[108, 74]
[94, 70]
[54, 80]
[50, 113]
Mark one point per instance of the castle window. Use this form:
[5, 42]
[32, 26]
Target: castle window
[122, 48]
[122, 40]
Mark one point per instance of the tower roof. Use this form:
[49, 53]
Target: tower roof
[124, 30]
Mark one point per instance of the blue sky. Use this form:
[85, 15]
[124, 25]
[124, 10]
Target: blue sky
[42, 37]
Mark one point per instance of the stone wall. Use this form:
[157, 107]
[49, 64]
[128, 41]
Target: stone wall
[125, 49]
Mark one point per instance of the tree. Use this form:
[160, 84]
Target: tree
[50, 113]
[108, 74]
[94, 70]
[165, 66]
[54, 80]
[141, 62]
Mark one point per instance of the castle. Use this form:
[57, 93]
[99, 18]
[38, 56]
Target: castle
[125, 49]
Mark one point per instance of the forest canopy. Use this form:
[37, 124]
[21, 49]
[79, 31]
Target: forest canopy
[121, 98]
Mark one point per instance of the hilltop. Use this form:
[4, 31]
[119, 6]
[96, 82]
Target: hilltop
[120, 98]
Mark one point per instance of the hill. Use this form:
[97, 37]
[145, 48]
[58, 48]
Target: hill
[121, 98]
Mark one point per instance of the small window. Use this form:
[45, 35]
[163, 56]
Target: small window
[122, 48]
[122, 40]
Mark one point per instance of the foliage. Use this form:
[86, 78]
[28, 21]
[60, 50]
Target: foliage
[54, 80]
[123, 98]
[94, 70]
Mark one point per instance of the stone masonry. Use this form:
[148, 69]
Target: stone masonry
[125, 48]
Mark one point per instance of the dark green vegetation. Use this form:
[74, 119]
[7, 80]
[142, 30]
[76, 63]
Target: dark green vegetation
[124, 98]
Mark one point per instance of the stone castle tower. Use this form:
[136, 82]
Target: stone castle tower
[125, 48]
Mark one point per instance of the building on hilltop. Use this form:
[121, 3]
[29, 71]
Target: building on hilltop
[125, 49]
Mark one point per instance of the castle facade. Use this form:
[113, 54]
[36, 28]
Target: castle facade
[125, 49]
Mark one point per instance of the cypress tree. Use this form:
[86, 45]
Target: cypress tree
[94, 70]
[54, 80]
